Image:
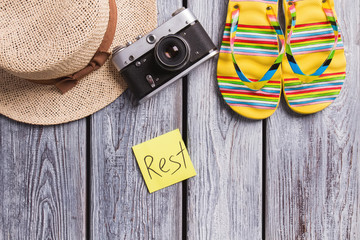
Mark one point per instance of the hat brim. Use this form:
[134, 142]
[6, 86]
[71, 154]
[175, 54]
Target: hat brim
[38, 104]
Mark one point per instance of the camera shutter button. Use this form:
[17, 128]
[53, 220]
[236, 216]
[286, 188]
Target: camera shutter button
[151, 39]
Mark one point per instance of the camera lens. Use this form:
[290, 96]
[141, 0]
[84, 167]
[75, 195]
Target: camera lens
[172, 52]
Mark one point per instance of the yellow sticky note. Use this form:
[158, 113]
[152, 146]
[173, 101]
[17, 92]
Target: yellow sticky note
[164, 161]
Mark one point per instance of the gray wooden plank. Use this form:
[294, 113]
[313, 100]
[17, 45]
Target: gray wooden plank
[122, 208]
[313, 168]
[42, 181]
[225, 199]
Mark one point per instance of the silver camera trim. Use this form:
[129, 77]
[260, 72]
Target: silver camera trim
[211, 54]
[122, 58]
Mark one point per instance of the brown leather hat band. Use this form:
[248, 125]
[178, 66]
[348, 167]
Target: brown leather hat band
[64, 84]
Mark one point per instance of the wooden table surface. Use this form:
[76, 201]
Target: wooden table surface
[287, 177]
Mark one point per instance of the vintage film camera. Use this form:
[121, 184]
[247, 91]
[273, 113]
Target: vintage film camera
[166, 54]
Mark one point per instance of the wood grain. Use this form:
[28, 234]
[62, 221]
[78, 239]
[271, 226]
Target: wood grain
[313, 168]
[225, 199]
[121, 207]
[42, 181]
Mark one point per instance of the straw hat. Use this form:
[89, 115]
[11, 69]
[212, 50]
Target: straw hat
[47, 45]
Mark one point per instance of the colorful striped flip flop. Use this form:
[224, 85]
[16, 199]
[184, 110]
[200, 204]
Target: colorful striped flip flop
[248, 71]
[314, 70]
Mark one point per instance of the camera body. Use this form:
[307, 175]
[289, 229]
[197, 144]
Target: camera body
[163, 56]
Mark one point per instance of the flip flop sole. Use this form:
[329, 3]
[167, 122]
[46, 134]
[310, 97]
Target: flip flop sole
[311, 42]
[255, 50]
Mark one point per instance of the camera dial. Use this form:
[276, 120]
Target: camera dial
[172, 52]
[178, 11]
[117, 49]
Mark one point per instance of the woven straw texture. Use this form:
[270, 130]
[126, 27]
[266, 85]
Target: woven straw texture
[44, 104]
[51, 39]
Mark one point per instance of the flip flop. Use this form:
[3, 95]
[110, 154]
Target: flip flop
[314, 70]
[248, 70]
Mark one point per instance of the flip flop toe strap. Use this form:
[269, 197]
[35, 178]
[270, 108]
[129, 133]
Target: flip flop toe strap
[257, 84]
[289, 54]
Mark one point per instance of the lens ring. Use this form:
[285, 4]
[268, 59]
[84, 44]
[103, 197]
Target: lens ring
[172, 52]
